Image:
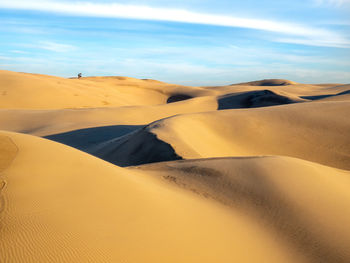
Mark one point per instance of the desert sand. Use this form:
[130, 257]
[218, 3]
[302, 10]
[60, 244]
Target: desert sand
[117, 169]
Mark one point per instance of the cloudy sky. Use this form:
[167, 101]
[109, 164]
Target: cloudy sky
[194, 42]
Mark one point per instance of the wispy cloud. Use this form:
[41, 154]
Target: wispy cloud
[340, 43]
[249, 64]
[19, 52]
[44, 45]
[337, 3]
[113, 10]
[5, 58]
[56, 47]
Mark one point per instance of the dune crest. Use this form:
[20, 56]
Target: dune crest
[253, 99]
[269, 82]
[32, 91]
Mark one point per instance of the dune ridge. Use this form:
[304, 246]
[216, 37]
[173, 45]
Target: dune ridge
[253, 99]
[33, 91]
[269, 82]
[139, 147]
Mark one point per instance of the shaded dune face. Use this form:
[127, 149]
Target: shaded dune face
[178, 97]
[319, 97]
[252, 99]
[87, 139]
[269, 82]
[135, 148]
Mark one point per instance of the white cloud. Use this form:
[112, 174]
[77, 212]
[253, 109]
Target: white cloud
[5, 58]
[340, 43]
[337, 3]
[114, 10]
[182, 72]
[46, 45]
[19, 52]
[56, 47]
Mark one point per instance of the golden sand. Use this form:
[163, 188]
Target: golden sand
[264, 177]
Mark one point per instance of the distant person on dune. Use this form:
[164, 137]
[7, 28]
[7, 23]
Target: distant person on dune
[79, 75]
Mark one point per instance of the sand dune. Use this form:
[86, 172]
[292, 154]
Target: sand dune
[45, 105]
[33, 91]
[62, 205]
[317, 132]
[283, 194]
[340, 96]
[90, 138]
[253, 99]
[48, 122]
[249, 172]
[139, 147]
[292, 90]
[94, 211]
[269, 82]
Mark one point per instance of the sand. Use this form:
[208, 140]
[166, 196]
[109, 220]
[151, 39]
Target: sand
[249, 172]
[62, 205]
[282, 194]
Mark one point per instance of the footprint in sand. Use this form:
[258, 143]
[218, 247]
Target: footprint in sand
[2, 199]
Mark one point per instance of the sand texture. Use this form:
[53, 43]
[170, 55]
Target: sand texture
[117, 169]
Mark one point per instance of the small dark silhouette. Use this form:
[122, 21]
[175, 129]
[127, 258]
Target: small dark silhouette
[79, 75]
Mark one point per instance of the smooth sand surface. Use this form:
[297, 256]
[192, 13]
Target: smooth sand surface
[62, 205]
[48, 122]
[303, 203]
[44, 105]
[317, 132]
[248, 172]
[34, 91]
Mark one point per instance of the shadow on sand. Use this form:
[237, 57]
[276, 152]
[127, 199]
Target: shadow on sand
[86, 139]
[252, 99]
[319, 97]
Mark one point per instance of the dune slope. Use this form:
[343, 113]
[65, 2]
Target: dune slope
[253, 99]
[49, 122]
[317, 132]
[46, 105]
[139, 147]
[268, 82]
[62, 205]
[34, 91]
[283, 194]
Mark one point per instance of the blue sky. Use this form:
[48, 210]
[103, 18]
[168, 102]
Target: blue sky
[187, 42]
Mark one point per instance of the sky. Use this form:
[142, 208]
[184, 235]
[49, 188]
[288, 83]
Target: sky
[189, 42]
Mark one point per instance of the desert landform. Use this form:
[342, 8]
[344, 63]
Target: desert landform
[118, 169]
